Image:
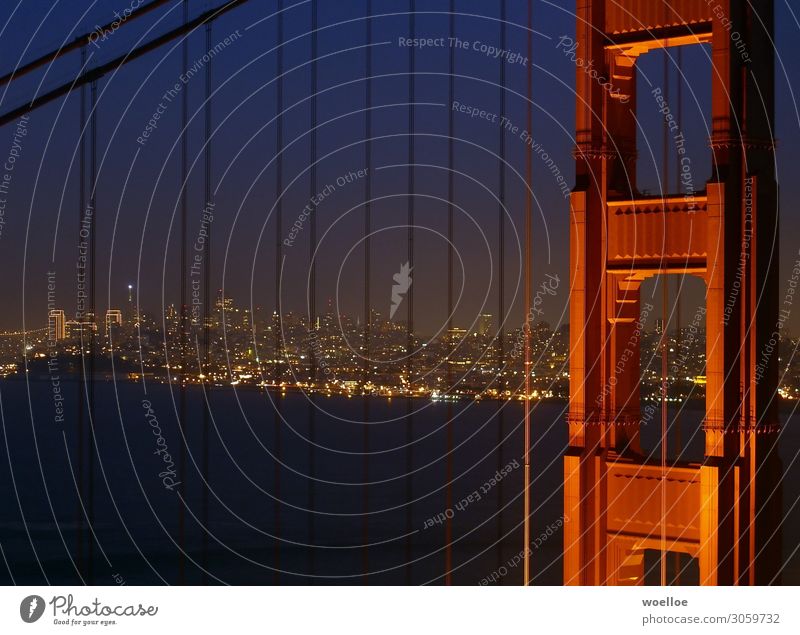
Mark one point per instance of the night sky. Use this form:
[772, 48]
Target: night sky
[138, 210]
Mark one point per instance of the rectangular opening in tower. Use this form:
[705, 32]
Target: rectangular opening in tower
[682, 569]
[682, 337]
[673, 111]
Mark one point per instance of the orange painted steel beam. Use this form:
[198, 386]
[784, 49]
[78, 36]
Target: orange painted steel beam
[724, 511]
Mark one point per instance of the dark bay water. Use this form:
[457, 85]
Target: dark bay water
[258, 520]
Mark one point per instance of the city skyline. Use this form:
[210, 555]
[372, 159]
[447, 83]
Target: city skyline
[469, 351]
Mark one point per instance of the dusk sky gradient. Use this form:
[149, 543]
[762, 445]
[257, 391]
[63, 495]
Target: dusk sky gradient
[138, 185]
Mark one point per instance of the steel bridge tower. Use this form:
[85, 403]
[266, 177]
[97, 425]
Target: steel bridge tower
[726, 510]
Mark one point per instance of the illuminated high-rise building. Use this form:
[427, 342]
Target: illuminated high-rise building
[56, 325]
[225, 310]
[113, 318]
[484, 323]
[133, 314]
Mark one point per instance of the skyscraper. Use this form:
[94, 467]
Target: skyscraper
[113, 318]
[56, 325]
[132, 309]
[484, 323]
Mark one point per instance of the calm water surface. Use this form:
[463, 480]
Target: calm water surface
[258, 521]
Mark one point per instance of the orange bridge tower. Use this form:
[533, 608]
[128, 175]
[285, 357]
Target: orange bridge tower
[726, 510]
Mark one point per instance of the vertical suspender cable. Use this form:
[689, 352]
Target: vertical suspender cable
[501, 211]
[367, 280]
[183, 334]
[277, 353]
[206, 366]
[526, 530]
[312, 300]
[678, 186]
[501, 303]
[410, 300]
[448, 553]
[93, 319]
[664, 321]
[676, 421]
[81, 401]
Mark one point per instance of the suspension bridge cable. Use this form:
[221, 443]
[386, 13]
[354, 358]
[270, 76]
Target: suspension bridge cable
[367, 360]
[206, 366]
[92, 219]
[80, 42]
[312, 301]
[95, 73]
[410, 300]
[277, 352]
[448, 558]
[81, 399]
[182, 315]
[526, 530]
[664, 321]
[676, 420]
[501, 180]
